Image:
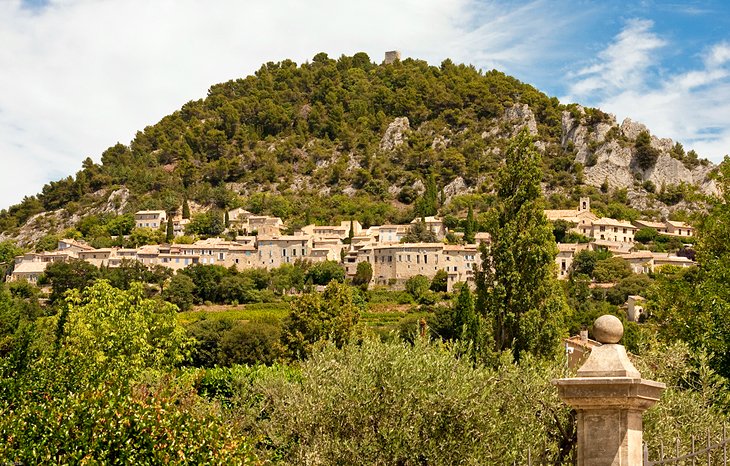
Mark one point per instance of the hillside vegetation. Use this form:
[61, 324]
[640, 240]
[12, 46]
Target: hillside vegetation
[338, 139]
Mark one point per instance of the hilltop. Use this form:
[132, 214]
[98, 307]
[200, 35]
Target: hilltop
[332, 140]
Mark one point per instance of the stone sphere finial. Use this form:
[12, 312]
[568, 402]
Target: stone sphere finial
[608, 329]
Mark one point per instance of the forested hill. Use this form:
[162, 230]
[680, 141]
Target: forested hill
[338, 139]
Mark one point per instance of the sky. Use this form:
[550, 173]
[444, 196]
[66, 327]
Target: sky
[78, 76]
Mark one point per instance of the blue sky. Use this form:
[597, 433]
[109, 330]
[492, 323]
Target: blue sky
[80, 75]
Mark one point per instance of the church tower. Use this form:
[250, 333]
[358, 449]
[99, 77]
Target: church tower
[584, 205]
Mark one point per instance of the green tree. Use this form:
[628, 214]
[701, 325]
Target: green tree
[517, 286]
[644, 154]
[169, 231]
[693, 304]
[117, 332]
[418, 286]
[210, 223]
[611, 270]
[466, 324]
[440, 281]
[561, 228]
[363, 275]
[206, 279]
[469, 226]
[8, 252]
[141, 236]
[74, 274]
[236, 289]
[584, 262]
[128, 272]
[251, 343]
[330, 315]
[185, 209]
[322, 273]
[419, 233]
[180, 291]
[427, 204]
[646, 235]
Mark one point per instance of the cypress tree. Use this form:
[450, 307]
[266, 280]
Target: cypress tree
[469, 226]
[170, 232]
[185, 209]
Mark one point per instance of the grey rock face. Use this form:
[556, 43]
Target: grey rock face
[395, 134]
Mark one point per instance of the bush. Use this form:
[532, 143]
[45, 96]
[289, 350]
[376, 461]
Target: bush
[395, 403]
[646, 235]
[417, 286]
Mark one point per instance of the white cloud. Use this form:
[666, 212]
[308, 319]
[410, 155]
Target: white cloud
[689, 106]
[623, 64]
[80, 75]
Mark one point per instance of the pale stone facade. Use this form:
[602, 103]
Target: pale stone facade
[150, 219]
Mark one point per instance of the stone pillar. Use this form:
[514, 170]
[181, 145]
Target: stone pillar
[609, 396]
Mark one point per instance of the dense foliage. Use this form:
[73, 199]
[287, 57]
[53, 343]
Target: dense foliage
[518, 293]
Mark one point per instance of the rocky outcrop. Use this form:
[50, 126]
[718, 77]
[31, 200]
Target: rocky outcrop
[611, 159]
[582, 136]
[514, 119]
[667, 171]
[456, 187]
[613, 165]
[395, 134]
[631, 129]
[520, 116]
[117, 201]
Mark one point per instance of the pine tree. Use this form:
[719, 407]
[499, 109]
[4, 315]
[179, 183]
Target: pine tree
[517, 289]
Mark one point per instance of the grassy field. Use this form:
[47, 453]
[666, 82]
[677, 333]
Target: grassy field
[380, 315]
[242, 312]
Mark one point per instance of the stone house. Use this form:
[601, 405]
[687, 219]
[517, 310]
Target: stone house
[30, 266]
[566, 253]
[396, 263]
[286, 249]
[340, 231]
[679, 229]
[263, 225]
[150, 219]
[581, 217]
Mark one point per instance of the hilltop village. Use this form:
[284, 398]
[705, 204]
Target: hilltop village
[263, 245]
